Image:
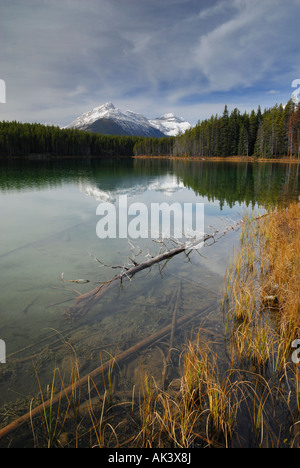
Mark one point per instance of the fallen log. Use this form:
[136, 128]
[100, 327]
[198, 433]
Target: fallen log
[99, 371]
[84, 302]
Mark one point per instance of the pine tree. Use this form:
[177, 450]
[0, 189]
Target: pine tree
[225, 137]
[253, 129]
[243, 146]
[234, 132]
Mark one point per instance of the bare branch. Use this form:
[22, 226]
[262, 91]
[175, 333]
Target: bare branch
[85, 301]
[108, 266]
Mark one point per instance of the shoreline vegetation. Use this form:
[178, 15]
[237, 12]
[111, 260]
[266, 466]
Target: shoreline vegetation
[240, 389]
[272, 134]
[235, 159]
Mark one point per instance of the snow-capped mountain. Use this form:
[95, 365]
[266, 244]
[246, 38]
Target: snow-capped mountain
[170, 125]
[108, 120]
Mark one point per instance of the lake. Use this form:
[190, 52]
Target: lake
[48, 227]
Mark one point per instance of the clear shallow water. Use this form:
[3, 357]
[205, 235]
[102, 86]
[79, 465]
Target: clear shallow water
[48, 226]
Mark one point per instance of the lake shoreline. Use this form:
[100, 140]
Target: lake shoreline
[54, 157]
[236, 159]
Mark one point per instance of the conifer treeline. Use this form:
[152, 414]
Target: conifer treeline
[17, 139]
[272, 133]
[269, 134]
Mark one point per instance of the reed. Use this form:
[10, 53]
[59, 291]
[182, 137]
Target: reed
[147, 431]
[50, 413]
[264, 289]
[280, 246]
[215, 393]
[108, 379]
[262, 315]
[176, 419]
[103, 431]
[75, 397]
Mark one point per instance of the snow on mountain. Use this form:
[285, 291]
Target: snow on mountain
[107, 119]
[107, 111]
[170, 125]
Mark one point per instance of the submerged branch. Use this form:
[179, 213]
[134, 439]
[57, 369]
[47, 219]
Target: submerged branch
[84, 302]
[119, 359]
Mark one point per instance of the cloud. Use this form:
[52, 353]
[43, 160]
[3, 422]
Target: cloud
[249, 46]
[218, 9]
[63, 57]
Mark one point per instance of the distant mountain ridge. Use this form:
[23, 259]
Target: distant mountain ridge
[108, 120]
[170, 125]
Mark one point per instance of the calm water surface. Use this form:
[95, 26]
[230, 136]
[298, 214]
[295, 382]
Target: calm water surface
[48, 226]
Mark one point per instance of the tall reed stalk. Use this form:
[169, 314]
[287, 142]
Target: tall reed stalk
[50, 413]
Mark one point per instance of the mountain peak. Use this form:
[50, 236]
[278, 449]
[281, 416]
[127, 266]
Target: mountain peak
[168, 116]
[107, 119]
[170, 125]
[109, 105]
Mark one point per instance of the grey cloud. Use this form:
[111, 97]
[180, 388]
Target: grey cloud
[249, 46]
[61, 57]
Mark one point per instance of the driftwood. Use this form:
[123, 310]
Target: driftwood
[84, 302]
[99, 371]
[174, 323]
[168, 360]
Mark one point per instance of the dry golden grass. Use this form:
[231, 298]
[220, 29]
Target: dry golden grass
[280, 287]
[263, 297]
[259, 386]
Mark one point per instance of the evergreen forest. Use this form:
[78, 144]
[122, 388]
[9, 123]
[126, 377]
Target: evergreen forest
[272, 133]
[18, 139]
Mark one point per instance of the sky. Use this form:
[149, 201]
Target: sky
[61, 58]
